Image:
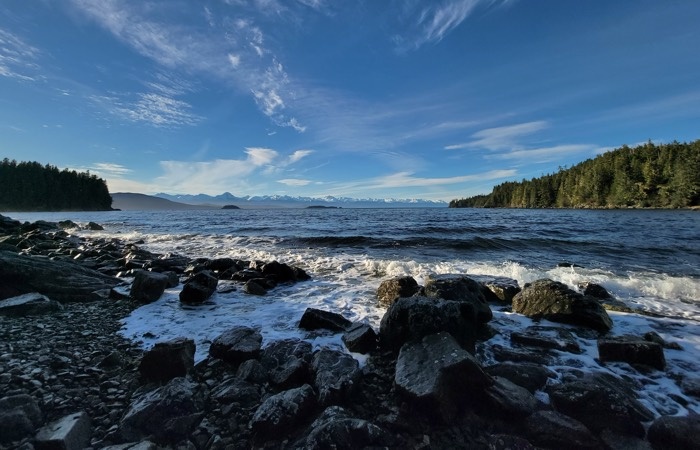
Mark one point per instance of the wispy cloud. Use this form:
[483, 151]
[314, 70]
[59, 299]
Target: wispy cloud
[294, 182]
[546, 154]
[298, 155]
[151, 108]
[17, 58]
[110, 169]
[501, 138]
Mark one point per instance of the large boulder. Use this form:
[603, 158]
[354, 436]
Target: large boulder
[551, 429]
[71, 432]
[546, 337]
[236, 345]
[282, 413]
[460, 288]
[391, 290]
[28, 305]
[279, 272]
[148, 286]
[336, 376]
[315, 319]
[19, 416]
[531, 376]
[168, 360]
[500, 289]
[337, 429]
[199, 288]
[288, 362]
[60, 280]
[675, 432]
[632, 350]
[412, 318]
[360, 338]
[552, 300]
[437, 373]
[168, 414]
[601, 401]
[506, 399]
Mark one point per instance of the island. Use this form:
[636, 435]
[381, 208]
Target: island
[230, 207]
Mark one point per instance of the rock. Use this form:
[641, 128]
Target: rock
[528, 355]
[550, 429]
[391, 290]
[691, 386]
[59, 280]
[19, 417]
[601, 401]
[279, 272]
[438, 374]
[67, 224]
[168, 414]
[288, 362]
[360, 338]
[502, 288]
[199, 288]
[28, 305]
[632, 350]
[614, 441]
[237, 345]
[531, 376]
[143, 445]
[236, 390]
[282, 413]
[168, 360]
[460, 288]
[72, 432]
[675, 432]
[148, 286]
[551, 300]
[253, 287]
[94, 226]
[508, 442]
[547, 337]
[506, 399]
[221, 265]
[412, 318]
[336, 429]
[252, 371]
[315, 319]
[596, 291]
[336, 376]
[653, 336]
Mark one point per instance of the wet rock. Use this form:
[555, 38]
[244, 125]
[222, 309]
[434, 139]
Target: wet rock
[337, 429]
[547, 337]
[437, 373]
[236, 390]
[32, 304]
[360, 338]
[505, 398]
[550, 429]
[336, 376]
[288, 362]
[632, 350]
[653, 336]
[614, 441]
[508, 442]
[94, 226]
[527, 355]
[596, 291]
[143, 445]
[236, 345]
[391, 290]
[19, 417]
[551, 300]
[691, 386]
[601, 401]
[460, 288]
[282, 413]
[675, 432]
[531, 376]
[502, 288]
[280, 272]
[72, 432]
[253, 371]
[254, 287]
[316, 319]
[198, 288]
[412, 318]
[148, 286]
[168, 360]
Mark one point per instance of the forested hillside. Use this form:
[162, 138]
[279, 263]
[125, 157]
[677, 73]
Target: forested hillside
[29, 186]
[647, 176]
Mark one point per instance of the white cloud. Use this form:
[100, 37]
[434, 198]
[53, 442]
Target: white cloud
[259, 156]
[110, 169]
[545, 154]
[501, 138]
[235, 60]
[298, 155]
[17, 58]
[294, 182]
[150, 108]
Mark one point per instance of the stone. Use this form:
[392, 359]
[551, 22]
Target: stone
[236, 345]
[596, 291]
[19, 417]
[282, 413]
[199, 288]
[148, 286]
[167, 414]
[691, 386]
[336, 375]
[546, 337]
[532, 377]
[460, 288]
[253, 287]
[143, 445]
[412, 318]
[505, 398]
[675, 432]
[71, 432]
[391, 290]
[94, 226]
[236, 390]
[280, 272]
[632, 350]
[601, 401]
[336, 429]
[288, 362]
[508, 442]
[317, 319]
[168, 360]
[32, 304]
[252, 371]
[550, 429]
[614, 441]
[551, 300]
[437, 373]
[360, 338]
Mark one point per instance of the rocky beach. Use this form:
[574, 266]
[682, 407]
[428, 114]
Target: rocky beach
[435, 374]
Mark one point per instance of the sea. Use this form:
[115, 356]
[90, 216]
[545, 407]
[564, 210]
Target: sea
[648, 259]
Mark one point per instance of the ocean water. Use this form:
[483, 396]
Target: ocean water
[648, 259]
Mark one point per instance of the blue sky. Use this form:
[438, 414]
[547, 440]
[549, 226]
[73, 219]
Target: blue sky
[369, 98]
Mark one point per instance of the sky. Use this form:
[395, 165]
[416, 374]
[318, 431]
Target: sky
[435, 100]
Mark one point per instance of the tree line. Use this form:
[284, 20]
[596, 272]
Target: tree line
[29, 186]
[646, 176]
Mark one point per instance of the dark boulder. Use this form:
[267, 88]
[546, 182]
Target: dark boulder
[198, 288]
[551, 300]
[254, 287]
[288, 362]
[236, 390]
[337, 429]
[506, 399]
[20, 415]
[675, 433]
[500, 289]
[550, 429]
[167, 414]
[596, 291]
[412, 318]
[460, 288]
[168, 360]
[391, 290]
[28, 305]
[336, 376]
[632, 350]
[71, 432]
[252, 371]
[360, 338]
[316, 319]
[282, 413]
[280, 272]
[601, 401]
[546, 337]
[93, 226]
[236, 345]
[531, 376]
[148, 286]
